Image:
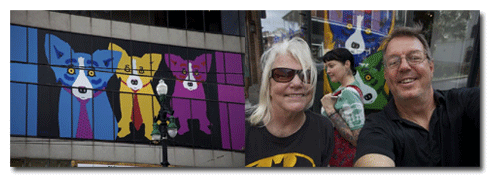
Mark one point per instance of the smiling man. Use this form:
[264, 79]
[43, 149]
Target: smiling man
[419, 126]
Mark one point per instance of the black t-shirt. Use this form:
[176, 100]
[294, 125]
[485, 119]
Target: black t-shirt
[311, 145]
[453, 138]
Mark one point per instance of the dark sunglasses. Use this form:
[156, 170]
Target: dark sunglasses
[284, 75]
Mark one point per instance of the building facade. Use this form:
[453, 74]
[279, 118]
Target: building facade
[83, 86]
[83, 83]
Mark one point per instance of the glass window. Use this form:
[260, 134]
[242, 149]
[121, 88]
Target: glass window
[122, 15]
[452, 46]
[158, 18]
[212, 20]
[195, 20]
[80, 13]
[241, 16]
[176, 19]
[102, 14]
[230, 23]
[280, 25]
[140, 17]
[400, 18]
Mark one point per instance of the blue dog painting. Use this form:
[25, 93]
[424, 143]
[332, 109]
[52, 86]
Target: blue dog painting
[84, 78]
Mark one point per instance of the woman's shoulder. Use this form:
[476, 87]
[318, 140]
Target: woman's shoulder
[312, 114]
[317, 118]
[353, 90]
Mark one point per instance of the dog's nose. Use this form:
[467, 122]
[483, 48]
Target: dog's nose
[355, 45]
[189, 84]
[368, 96]
[82, 90]
[134, 82]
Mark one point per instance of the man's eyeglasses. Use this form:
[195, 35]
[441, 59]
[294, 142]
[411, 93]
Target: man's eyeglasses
[284, 75]
[412, 58]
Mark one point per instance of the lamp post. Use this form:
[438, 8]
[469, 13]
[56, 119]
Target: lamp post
[167, 125]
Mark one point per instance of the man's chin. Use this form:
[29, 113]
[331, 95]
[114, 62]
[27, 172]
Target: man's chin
[409, 95]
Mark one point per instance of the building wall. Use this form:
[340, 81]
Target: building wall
[52, 93]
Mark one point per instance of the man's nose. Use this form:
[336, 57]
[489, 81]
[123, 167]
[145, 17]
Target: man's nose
[404, 65]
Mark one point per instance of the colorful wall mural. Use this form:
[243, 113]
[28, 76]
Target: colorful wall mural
[73, 86]
[360, 32]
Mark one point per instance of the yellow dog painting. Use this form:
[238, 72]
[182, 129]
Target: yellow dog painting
[138, 105]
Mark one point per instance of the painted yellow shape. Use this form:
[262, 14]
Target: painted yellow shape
[149, 105]
[328, 36]
[288, 160]
[326, 85]
[387, 90]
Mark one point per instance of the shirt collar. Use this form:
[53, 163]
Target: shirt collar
[438, 97]
[391, 110]
[391, 107]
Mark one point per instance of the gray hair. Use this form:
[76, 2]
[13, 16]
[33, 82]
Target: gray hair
[415, 32]
[300, 51]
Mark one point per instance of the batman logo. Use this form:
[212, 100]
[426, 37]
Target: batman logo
[287, 160]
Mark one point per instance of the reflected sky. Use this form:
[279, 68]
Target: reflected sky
[274, 20]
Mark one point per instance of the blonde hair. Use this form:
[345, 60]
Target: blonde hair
[299, 50]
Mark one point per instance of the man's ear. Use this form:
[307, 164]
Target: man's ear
[431, 67]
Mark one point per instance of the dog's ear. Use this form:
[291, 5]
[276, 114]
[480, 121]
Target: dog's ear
[155, 61]
[167, 60]
[107, 58]
[123, 55]
[176, 65]
[172, 61]
[205, 61]
[56, 49]
[209, 60]
[115, 47]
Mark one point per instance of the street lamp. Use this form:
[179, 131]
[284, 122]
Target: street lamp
[167, 125]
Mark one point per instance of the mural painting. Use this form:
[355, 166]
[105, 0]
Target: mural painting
[360, 32]
[139, 107]
[190, 75]
[83, 78]
[74, 86]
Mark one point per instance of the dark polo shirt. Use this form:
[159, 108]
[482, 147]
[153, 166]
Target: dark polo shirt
[453, 138]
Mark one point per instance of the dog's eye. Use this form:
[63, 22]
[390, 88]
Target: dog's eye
[368, 31]
[349, 26]
[184, 71]
[91, 73]
[71, 71]
[141, 70]
[367, 77]
[196, 73]
[127, 68]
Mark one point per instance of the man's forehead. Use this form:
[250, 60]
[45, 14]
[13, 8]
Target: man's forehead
[404, 44]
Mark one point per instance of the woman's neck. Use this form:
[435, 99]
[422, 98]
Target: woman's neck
[347, 80]
[284, 125]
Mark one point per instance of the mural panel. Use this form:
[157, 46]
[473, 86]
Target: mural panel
[360, 32]
[74, 86]
[84, 110]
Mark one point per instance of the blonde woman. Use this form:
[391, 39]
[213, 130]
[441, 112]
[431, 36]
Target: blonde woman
[281, 131]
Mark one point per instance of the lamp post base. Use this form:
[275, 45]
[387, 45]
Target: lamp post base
[165, 164]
